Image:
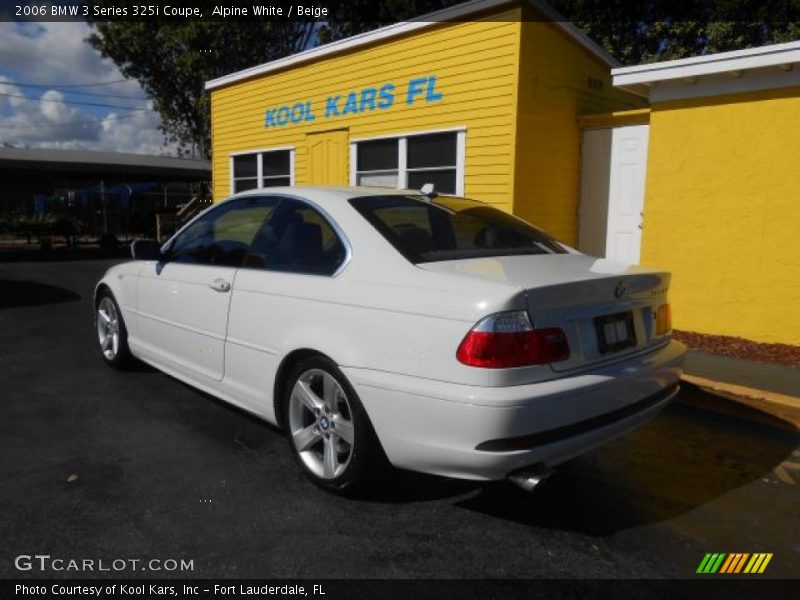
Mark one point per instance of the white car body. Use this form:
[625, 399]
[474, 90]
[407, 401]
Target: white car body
[393, 329]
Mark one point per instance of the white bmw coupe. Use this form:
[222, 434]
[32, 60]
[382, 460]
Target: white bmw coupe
[436, 333]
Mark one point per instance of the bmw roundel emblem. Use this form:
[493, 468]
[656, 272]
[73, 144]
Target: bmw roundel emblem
[619, 291]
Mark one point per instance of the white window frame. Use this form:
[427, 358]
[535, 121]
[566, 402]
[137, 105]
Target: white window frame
[259, 164]
[402, 146]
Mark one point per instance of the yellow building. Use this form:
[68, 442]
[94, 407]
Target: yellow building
[690, 165]
[481, 99]
[722, 194]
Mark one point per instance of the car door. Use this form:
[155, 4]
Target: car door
[183, 301]
[279, 296]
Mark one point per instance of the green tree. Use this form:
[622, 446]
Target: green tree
[357, 16]
[173, 60]
[653, 30]
[632, 32]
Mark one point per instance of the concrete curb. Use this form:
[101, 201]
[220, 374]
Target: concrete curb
[764, 406]
[743, 391]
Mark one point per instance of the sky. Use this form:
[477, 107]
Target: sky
[41, 105]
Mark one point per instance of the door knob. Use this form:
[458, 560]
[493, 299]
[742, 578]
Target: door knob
[220, 285]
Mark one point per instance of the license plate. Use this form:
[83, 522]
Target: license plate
[615, 332]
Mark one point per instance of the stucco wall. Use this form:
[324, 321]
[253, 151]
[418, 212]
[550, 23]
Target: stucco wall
[722, 212]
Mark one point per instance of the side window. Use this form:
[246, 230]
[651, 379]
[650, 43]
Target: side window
[432, 159]
[223, 236]
[297, 239]
[411, 161]
[261, 169]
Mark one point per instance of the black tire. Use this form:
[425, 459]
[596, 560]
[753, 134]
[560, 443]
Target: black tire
[122, 358]
[367, 465]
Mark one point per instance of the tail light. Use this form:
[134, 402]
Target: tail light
[508, 339]
[663, 319]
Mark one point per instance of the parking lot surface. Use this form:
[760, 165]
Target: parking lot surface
[101, 464]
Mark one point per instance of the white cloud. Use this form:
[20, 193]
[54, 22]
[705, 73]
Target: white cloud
[55, 110]
[32, 123]
[139, 133]
[56, 53]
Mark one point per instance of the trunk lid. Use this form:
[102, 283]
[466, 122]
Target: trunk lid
[606, 309]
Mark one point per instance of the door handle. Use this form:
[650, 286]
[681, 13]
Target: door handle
[220, 285]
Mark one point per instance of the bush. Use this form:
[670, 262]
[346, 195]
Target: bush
[27, 225]
[67, 226]
[30, 226]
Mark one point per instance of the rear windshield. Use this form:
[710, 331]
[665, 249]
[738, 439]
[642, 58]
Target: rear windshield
[451, 228]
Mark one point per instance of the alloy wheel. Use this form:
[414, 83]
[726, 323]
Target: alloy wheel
[108, 328]
[321, 423]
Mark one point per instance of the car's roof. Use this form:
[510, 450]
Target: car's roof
[321, 193]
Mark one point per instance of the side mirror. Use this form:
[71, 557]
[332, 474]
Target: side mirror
[146, 250]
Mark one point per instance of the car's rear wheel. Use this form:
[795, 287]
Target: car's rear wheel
[111, 333]
[329, 431]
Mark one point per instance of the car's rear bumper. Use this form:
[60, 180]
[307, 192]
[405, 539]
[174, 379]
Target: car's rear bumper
[485, 433]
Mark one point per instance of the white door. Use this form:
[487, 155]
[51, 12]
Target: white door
[183, 301]
[183, 315]
[613, 170]
[626, 192]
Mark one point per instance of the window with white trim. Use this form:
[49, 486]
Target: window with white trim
[261, 169]
[411, 161]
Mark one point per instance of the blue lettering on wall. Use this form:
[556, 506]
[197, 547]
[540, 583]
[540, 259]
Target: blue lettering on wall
[331, 107]
[387, 96]
[415, 88]
[297, 112]
[309, 116]
[283, 115]
[420, 91]
[432, 95]
[367, 99]
[350, 105]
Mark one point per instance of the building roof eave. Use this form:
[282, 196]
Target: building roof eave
[89, 161]
[641, 78]
[453, 13]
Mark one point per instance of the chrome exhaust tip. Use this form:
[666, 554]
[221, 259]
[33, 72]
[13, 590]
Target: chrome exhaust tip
[529, 478]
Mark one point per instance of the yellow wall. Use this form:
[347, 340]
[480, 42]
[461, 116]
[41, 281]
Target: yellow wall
[722, 212]
[559, 81]
[476, 68]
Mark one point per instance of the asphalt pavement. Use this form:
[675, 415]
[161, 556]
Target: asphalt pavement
[98, 464]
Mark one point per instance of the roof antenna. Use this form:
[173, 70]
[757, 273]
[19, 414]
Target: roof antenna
[429, 190]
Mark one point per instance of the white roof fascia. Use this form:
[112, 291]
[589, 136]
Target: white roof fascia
[453, 13]
[712, 64]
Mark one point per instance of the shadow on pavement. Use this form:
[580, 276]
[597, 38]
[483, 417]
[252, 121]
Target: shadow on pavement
[683, 460]
[761, 411]
[650, 475]
[406, 487]
[15, 293]
[61, 254]
[398, 487]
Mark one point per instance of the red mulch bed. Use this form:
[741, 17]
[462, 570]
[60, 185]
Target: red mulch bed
[782, 354]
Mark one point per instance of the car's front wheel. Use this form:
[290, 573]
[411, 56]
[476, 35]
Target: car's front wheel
[111, 333]
[329, 431]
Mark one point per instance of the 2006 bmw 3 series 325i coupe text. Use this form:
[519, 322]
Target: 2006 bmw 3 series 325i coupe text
[437, 334]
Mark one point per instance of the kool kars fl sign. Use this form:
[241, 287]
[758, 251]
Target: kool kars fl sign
[368, 99]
